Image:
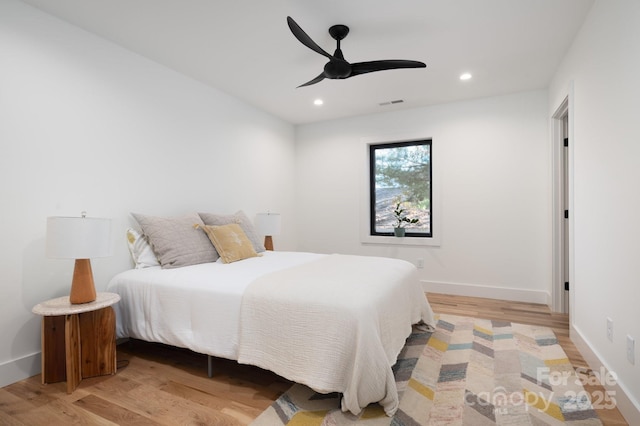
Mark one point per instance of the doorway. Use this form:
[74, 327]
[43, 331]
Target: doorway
[561, 209]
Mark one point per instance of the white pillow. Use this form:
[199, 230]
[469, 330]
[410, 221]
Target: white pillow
[141, 251]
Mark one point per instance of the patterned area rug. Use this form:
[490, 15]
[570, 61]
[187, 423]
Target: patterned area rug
[467, 372]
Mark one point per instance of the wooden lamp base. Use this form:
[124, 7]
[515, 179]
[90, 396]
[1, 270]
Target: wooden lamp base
[268, 242]
[83, 289]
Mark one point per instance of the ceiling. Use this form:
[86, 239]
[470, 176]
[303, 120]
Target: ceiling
[245, 48]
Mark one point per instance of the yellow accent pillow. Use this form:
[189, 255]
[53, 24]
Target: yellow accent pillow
[230, 241]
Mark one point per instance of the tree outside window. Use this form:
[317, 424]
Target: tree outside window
[400, 173]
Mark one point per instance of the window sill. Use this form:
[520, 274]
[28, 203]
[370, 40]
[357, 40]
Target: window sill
[400, 241]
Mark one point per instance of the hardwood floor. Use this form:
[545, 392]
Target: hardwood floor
[162, 385]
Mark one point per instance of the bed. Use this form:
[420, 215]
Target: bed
[335, 323]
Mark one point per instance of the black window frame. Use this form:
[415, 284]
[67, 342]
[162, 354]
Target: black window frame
[372, 187]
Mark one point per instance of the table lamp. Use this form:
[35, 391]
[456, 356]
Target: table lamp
[79, 238]
[268, 224]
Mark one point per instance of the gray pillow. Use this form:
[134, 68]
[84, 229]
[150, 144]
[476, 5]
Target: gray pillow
[241, 219]
[175, 241]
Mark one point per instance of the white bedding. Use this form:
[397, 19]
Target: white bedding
[343, 318]
[195, 307]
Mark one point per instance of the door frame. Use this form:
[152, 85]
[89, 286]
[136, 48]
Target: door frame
[561, 300]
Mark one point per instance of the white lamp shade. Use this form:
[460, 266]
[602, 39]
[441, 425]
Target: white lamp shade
[78, 237]
[268, 223]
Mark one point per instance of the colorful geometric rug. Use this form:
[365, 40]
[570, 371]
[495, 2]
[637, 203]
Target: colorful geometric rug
[468, 371]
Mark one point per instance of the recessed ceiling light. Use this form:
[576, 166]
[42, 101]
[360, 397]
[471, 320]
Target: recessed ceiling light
[465, 76]
[318, 102]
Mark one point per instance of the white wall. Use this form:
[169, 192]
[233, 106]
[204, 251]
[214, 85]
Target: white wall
[603, 65]
[86, 125]
[491, 158]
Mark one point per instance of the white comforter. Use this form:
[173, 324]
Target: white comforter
[195, 307]
[336, 324]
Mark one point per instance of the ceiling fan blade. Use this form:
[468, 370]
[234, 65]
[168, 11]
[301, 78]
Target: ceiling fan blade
[372, 66]
[314, 81]
[304, 38]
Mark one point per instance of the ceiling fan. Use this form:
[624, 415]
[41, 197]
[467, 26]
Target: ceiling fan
[338, 67]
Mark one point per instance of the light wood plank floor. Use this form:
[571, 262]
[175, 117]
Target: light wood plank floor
[161, 385]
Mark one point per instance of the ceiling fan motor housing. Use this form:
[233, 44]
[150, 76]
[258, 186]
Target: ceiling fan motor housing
[337, 69]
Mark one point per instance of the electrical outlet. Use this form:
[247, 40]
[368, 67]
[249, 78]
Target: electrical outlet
[420, 262]
[610, 329]
[631, 349]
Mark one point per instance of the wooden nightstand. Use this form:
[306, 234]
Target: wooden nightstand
[78, 341]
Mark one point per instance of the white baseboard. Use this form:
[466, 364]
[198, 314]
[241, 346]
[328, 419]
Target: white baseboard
[628, 407]
[20, 369]
[492, 292]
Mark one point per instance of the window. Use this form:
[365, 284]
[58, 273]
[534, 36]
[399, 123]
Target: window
[400, 176]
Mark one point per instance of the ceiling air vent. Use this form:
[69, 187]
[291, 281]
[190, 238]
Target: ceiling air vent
[398, 101]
